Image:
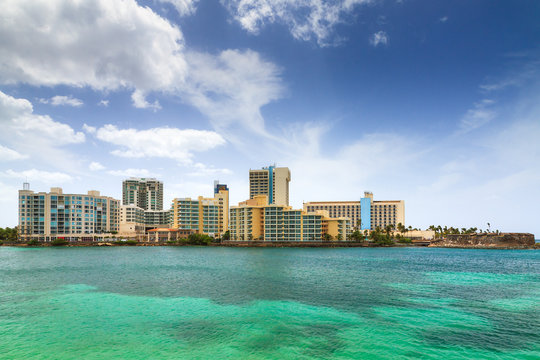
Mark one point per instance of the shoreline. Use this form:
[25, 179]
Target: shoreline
[269, 244]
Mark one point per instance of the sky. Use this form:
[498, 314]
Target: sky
[436, 103]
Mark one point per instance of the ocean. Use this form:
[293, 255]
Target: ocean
[269, 303]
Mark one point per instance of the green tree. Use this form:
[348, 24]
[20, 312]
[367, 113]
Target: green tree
[356, 236]
[327, 237]
[226, 236]
[199, 239]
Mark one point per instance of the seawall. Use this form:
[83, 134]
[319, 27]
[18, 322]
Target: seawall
[487, 241]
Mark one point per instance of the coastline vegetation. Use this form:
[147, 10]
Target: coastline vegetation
[8, 234]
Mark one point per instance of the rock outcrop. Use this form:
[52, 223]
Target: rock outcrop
[487, 241]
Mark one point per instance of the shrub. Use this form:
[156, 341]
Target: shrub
[131, 242]
[405, 240]
[59, 242]
[33, 242]
[199, 239]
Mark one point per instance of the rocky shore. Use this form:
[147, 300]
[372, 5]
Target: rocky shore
[487, 241]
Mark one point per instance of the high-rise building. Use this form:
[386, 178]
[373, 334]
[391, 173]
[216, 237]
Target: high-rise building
[74, 217]
[365, 214]
[146, 193]
[270, 181]
[255, 219]
[209, 216]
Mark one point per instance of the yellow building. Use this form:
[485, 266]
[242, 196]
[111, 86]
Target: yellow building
[209, 216]
[270, 181]
[368, 217]
[255, 219]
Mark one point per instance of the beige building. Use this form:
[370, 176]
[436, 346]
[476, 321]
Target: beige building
[209, 216]
[255, 219]
[47, 216]
[132, 221]
[270, 181]
[379, 213]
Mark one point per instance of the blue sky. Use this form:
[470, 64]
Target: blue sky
[433, 102]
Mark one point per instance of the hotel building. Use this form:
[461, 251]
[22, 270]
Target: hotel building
[365, 214]
[209, 216]
[270, 181]
[74, 217]
[255, 219]
[144, 193]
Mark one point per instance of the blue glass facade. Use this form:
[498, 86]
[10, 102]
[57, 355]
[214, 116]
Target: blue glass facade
[270, 185]
[365, 213]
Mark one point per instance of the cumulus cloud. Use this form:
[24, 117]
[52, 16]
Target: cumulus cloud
[37, 136]
[103, 44]
[118, 45]
[34, 175]
[95, 166]
[62, 100]
[379, 38]
[478, 116]
[162, 142]
[18, 119]
[103, 103]
[306, 19]
[7, 154]
[132, 173]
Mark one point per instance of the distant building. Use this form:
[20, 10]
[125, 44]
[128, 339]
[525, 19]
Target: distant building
[255, 219]
[270, 181]
[74, 217]
[132, 221]
[366, 213]
[146, 193]
[157, 218]
[209, 216]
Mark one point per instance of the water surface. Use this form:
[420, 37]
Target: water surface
[235, 303]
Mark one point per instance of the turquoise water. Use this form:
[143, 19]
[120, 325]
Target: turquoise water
[228, 303]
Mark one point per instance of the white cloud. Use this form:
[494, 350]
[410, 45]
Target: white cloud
[62, 100]
[89, 129]
[103, 44]
[163, 142]
[232, 87]
[184, 7]
[139, 101]
[132, 173]
[37, 136]
[204, 170]
[443, 19]
[118, 45]
[104, 103]
[18, 118]
[95, 166]
[379, 38]
[34, 175]
[7, 154]
[305, 19]
[478, 116]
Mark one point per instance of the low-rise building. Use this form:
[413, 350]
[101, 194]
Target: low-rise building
[255, 219]
[166, 234]
[47, 216]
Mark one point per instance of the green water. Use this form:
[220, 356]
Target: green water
[226, 303]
